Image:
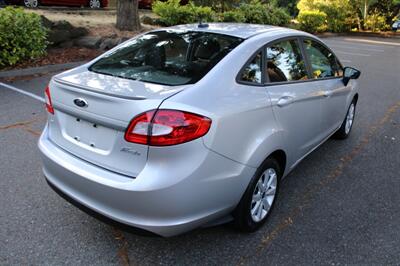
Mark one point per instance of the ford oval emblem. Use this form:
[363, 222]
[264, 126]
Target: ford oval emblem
[81, 102]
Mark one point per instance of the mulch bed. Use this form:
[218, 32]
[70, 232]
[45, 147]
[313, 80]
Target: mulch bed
[58, 56]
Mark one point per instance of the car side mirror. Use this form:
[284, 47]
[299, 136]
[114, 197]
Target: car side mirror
[350, 73]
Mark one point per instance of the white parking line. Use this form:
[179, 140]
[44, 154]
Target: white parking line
[372, 41]
[356, 48]
[357, 54]
[34, 96]
[355, 44]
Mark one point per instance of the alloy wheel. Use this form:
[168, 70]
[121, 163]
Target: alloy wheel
[263, 195]
[94, 4]
[31, 3]
[27, 3]
[349, 118]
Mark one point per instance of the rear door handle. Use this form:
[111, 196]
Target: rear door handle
[285, 100]
[327, 93]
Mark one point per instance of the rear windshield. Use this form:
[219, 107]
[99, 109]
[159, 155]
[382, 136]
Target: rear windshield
[167, 57]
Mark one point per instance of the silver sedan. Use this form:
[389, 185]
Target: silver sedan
[193, 125]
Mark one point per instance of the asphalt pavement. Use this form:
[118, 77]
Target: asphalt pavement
[341, 205]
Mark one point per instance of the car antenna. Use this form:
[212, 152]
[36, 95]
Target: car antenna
[201, 24]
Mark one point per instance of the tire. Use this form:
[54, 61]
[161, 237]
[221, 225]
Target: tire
[345, 129]
[248, 217]
[94, 4]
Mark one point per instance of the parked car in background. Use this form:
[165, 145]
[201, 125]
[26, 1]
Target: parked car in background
[146, 4]
[36, 3]
[396, 25]
[194, 124]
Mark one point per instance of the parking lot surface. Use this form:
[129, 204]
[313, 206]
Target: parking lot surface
[339, 206]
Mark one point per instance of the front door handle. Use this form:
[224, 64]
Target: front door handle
[327, 93]
[285, 100]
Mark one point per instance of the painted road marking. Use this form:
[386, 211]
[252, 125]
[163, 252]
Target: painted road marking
[357, 48]
[357, 54]
[372, 41]
[357, 44]
[34, 96]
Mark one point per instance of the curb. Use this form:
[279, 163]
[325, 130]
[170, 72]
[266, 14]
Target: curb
[388, 35]
[39, 70]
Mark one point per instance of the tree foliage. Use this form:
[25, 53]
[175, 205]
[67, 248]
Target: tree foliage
[344, 15]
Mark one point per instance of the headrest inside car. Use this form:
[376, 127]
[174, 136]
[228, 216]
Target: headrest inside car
[207, 49]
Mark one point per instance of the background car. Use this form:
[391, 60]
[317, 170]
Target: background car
[36, 3]
[146, 4]
[396, 25]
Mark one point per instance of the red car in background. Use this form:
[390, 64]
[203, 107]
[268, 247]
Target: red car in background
[36, 3]
[146, 4]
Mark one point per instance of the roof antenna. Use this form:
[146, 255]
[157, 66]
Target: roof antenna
[201, 24]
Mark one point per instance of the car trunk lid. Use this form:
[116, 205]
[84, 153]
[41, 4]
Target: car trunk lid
[94, 131]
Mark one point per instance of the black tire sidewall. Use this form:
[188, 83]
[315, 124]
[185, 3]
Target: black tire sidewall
[341, 133]
[243, 220]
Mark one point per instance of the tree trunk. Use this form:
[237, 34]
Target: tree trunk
[365, 9]
[128, 15]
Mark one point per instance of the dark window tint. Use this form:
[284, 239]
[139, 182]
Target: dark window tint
[167, 57]
[323, 62]
[284, 62]
[252, 71]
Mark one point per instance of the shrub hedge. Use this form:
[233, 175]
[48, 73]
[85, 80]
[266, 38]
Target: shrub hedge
[259, 13]
[22, 36]
[312, 21]
[232, 16]
[172, 13]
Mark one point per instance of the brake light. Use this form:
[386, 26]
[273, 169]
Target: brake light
[49, 105]
[166, 127]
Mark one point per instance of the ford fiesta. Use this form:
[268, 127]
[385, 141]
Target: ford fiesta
[193, 125]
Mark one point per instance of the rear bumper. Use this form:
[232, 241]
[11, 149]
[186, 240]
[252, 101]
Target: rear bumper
[174, 193]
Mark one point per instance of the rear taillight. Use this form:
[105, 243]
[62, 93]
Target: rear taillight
[49, 105]
[166, 127]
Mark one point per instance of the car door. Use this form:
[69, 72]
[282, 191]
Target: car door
[328, 75]
[296, 103]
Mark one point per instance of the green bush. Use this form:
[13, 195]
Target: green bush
[376, 22]
[341, 13]
[232, 16]
[22, 36]
[338, 18]
[259, 13]
[312, 21]
[172, 13]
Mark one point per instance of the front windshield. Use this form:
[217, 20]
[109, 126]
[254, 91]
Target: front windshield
[167, 57]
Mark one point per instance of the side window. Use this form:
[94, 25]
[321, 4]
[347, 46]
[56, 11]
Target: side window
[323, 63]
[284, 62]
[252, 72]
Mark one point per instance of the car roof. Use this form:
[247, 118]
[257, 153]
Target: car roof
[241, 30]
